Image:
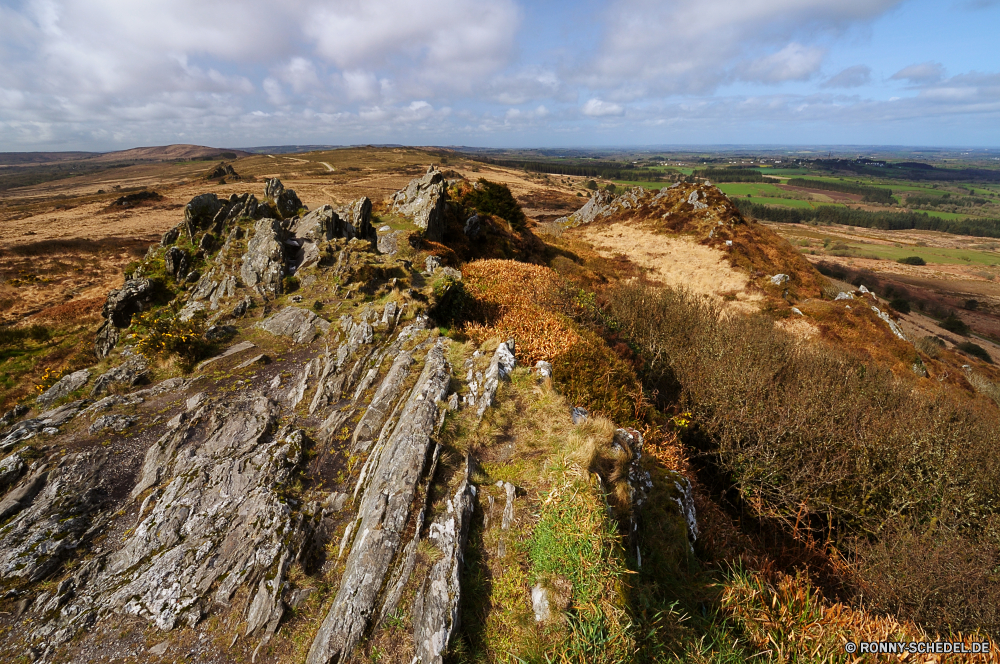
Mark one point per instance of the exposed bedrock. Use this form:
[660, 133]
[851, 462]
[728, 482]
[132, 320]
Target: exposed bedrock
[385, 509]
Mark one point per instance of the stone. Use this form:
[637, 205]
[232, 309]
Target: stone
[207, 242]
[383, 514]
[170, 236]
[223, 170]
[579, 414]
[796, 310]
[263, 262]
[300, 325]
[780, 279]
[320, 225]
[122, 303]
[432, 263]
[388, 243]
[695, 203]
[106, 339]
[64, 386]
[500, 368]
[176, 262]
[285, 200]
[891, 323]
[436, 610]
[357, 220]
[844, 296]
[423, 199]
[13, 414]
[256, 359]
[133, 371]
[540, 603]
[200, 212]
[603, 204]
[473, 227]
[382, 403]
[544, 369]
[117, 423]
[11, 468]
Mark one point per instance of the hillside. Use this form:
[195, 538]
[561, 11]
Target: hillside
[462, 413]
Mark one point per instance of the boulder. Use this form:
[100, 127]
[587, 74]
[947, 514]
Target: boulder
[118, 309]
[66, 385]
[117, 423]
[223, 170]
[500, 368]
[285, 200]
[603, 204]
[383, 515]
[263, 263]
[200, 212]
[780, 279]
[10, 469]
[170, 236]
[318, 226]
[134, 371]
[358, 217]
[300, 325]
[388, 243]
[176, 262]
[473, 227]
[423, 200]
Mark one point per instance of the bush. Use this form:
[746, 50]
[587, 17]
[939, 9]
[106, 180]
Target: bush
[494, 198]
[809, 436]
[912, 260]
[162, 336]
[955, 324]
[974, 350]
[900, 305]
[591, 184]
[16, 336]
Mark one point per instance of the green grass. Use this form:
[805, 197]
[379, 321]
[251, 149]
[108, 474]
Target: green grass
[752, 188]
[945, 215]
[644, 185]
[940, 256]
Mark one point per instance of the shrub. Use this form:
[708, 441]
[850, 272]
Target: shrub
[900, 305]
[494, 198]
[912, 260]
[929, 346]
[974, 350]
[955, 324]
[591, 184]
[161, 336]
[16, 336]
[290, 284]
[810, 437]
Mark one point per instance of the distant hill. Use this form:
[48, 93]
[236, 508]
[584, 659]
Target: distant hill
[149, 154]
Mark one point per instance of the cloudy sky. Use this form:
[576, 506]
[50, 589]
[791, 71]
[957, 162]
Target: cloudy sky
[112, 74]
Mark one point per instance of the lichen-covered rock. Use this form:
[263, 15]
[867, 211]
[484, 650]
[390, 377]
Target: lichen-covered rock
[437, 606]
[388, 243]
[384, 511]
[603, 204]
[117, 423]
[64, 387]
[300, 325]
[133, 371]
[263, 263]
[357, 217]
[200, 211]
[500, 368]
[382, 403]
[285, 200]
[50, 419]
[423, 199]
[11, 468]
[176, 262]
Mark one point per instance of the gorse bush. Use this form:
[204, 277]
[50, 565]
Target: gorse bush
[160, 335]
[493, 198]
[812, 437]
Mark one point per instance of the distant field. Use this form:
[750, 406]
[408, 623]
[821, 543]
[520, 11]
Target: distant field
[946, 215]
[752, 188]
[862, 249]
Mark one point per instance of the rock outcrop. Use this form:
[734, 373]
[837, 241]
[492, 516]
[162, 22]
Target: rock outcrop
[64, 387]
[118, 309]
[297, 324]
[200, 212]
[263, 263]
[423, 199]
[384, 511]
[286, 201]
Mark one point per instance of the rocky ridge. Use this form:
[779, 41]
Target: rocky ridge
[311, 443]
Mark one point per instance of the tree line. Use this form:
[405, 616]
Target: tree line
[868, 194]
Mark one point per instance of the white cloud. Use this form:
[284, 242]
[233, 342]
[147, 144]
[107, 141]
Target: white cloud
[655, 47]
[795, 62]
[922, 74]
[852, 77]
[596, 108]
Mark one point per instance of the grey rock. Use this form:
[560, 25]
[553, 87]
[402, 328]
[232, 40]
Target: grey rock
[117, 423]
[256, 359]
[10, 469]
[176, 262]
[431, 263]
[220, 332]
[200, 212]
[64, 386]
[170, 236]
[603, 204]
[300, 325]
[298, 597]
[320, 225]
[423, 199]
[383, 514]
[241, 308]
[544, 369]
[49, 419]
[238, 348]
[437, 607]
[18, 411]
[388, 243]
[579, 414]
[285, 200]
[473, 227]
[132, 372]
[357, 219]
[126, 301]
[190, 310]
[207, 242]
[780, 279]
[695, 203]
[500, 368]
[540, 603]
[898, 331]
[844, 296]
[106, 339]
[263, 263]
[382, 403]
[17, 499]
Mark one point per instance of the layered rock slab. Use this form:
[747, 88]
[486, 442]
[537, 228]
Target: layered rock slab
[384, 511]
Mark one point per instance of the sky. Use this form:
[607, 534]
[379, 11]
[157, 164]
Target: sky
[112, 74]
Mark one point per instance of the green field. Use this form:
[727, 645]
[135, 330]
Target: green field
[945, 215]
[937, 255]
[754, 189]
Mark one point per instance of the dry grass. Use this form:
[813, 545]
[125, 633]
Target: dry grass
[518, 301]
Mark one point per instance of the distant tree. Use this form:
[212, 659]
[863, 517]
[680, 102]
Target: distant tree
[591, 184]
